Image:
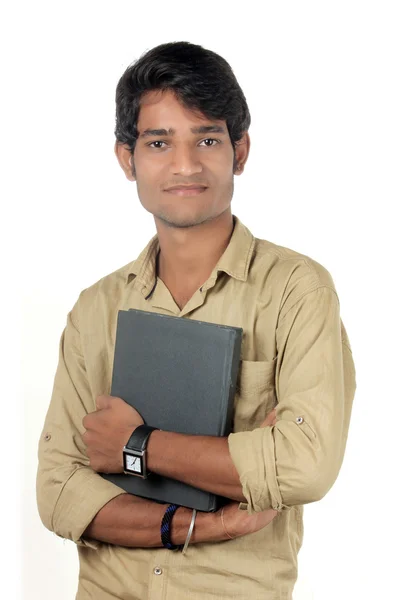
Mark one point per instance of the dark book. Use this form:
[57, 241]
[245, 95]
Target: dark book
[180, 375]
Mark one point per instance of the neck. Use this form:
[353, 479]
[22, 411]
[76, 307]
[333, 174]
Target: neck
[188, 255]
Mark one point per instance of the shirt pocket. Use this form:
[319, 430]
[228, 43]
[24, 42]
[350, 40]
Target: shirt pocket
[255, 395]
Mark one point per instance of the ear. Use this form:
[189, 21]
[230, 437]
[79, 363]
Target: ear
[242, 149]
[125, 160]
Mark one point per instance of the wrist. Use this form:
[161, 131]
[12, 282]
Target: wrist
[135, 453]
[180, 525]
[211, 528]
[207, 527]
[156, 447]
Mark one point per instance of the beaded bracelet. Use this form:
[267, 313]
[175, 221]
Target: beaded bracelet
[166, 528]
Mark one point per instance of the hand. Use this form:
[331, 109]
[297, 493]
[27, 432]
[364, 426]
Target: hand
[107, 431]
[238, 522]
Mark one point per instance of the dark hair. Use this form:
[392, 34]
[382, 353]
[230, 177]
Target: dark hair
[201, 80]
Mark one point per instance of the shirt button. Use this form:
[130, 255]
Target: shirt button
[157, 571]
[299, 420]
[47, 437]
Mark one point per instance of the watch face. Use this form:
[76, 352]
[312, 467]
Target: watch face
[133, 464]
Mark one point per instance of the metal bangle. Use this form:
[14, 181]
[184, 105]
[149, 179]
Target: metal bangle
[189, 535]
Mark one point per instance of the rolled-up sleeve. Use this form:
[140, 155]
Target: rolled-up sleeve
[297, 460]
[69, 492]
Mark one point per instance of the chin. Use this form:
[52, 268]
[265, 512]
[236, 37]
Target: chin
[181, 216]
[183, 221]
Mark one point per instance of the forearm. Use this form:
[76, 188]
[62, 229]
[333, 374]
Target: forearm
[201, 461]
[134, 522]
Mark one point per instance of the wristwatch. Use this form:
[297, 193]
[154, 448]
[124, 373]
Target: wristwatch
[134, 452]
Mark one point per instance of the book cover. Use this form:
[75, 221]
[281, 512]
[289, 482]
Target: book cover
[180, 375]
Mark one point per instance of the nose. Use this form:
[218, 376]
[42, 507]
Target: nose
[184, 161]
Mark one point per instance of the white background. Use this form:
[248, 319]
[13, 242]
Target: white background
[322, 83]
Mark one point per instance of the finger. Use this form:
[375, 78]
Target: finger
[86, 438]
[87, 420]
[102, 402]
[90, 419]
[272, 417]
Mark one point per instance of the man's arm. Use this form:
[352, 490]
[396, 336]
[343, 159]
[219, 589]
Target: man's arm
[209, 456]
[207, 465]
[135, 522]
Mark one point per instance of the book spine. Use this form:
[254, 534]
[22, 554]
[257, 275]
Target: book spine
[231, 368]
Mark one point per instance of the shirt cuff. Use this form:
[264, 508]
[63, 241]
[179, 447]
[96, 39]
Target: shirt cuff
[84, 493]
[253, 454]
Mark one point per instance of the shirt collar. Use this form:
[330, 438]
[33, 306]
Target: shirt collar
[234, 261]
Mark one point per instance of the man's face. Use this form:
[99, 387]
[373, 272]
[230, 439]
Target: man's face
[161, 160]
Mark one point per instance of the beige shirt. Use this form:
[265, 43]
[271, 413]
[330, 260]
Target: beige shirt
[295, 356]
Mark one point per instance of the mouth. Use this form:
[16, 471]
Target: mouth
[186, 191]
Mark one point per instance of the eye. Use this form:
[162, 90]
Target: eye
[211, 140]
[206, 140]
[156, 142]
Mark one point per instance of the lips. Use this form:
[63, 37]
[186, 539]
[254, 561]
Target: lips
[186, 190]
[186, 187]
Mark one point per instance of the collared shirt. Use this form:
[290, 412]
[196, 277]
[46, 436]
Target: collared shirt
[295, 357]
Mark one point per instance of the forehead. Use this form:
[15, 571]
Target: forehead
[161, 108]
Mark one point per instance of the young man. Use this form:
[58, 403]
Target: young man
[182, 133]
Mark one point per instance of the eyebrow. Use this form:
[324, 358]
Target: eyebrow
[202, 129]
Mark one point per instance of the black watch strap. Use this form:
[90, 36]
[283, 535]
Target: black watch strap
[138, 439]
